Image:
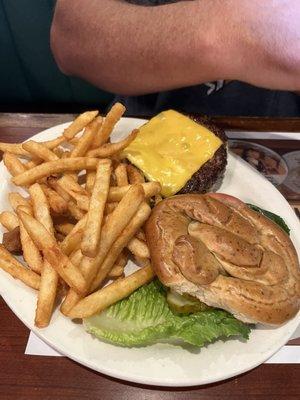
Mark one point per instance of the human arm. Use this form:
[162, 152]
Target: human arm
[132, 49]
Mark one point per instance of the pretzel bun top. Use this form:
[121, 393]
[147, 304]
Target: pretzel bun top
[214, 247]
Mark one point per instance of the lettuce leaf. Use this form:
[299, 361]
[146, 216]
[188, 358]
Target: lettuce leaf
[145, 317]
[274, 217]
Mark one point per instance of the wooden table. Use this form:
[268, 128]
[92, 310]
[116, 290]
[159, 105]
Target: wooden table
[35, 377]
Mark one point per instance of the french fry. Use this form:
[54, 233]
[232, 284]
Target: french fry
[134, 175]
[141, 262]
[41, 209]
[49, 277]
[141, 235]
[138, 248]
[86, 140]
[46, 295]
[74, 141]
[66, 154]
[31, 253]
[116, 223]
[13, 164]
[9, 220]
[116, 291]
[10, 265]
[109, 207]
[53, 167]
[14, 148]
[117, 193]
[75, 211]
[121, 175]
[27, 209]
[118, 268]
[69, 189]
[92, 232]
[79, 123]
[76, 257]
[113, 116]
[72, 207]
[53, 254]
[121, 242]
[40, 151]
[33, 163]
[70, 186]
[72, 241]
[90, 180]
[58, 151]
[64, 228]
[52, 144]
[54, 184]
[110, 149]
[16, 200]
[57, 203]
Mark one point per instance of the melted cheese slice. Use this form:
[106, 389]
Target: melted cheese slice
[170, 148]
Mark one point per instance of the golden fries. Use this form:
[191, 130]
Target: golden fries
[72, 241]
[91, 235]
[10, 265]
[117, 193]
[64, 228]
[110, 121]
[9, 220]
[110, 149]
[103, 298]
[17, 200]
[118, 268]
[134, 175]
[14, 148]
[138, 248]
[76, 257]
[121, 175]
[52, 253]
[90, 180]
[53, 167]
[80, 122]
[49, 277]
[41, 209]
[31, 253]
[116, 223]
[13, 164]
[46, 295]
[40, 151]
[120, 243]
[86, 140]
[57, 203]
[82, 194]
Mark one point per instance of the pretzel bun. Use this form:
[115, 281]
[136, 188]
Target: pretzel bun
[215, 248]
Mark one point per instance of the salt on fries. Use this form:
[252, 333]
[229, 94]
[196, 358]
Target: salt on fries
[81, 220]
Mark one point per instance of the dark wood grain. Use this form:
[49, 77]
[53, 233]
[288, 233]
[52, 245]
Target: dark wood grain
[10, 122]
[25, 377]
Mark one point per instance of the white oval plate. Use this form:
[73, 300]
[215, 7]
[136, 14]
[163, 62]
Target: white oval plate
[161, 364]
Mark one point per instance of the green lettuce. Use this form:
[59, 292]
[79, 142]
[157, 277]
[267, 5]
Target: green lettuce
[274, 217]
[145, 317]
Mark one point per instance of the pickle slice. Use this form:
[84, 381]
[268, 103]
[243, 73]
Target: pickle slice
[184, 304]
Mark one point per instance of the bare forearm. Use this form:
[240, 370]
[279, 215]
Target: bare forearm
[132, 49]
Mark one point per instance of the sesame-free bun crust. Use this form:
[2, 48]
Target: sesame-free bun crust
[214, 247]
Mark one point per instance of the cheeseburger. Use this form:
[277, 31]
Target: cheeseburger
[185, 155]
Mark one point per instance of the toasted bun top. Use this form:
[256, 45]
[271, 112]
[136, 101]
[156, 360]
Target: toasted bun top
[217, 249]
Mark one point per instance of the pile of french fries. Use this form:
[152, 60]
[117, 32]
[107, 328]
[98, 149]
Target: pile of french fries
[81, 219]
